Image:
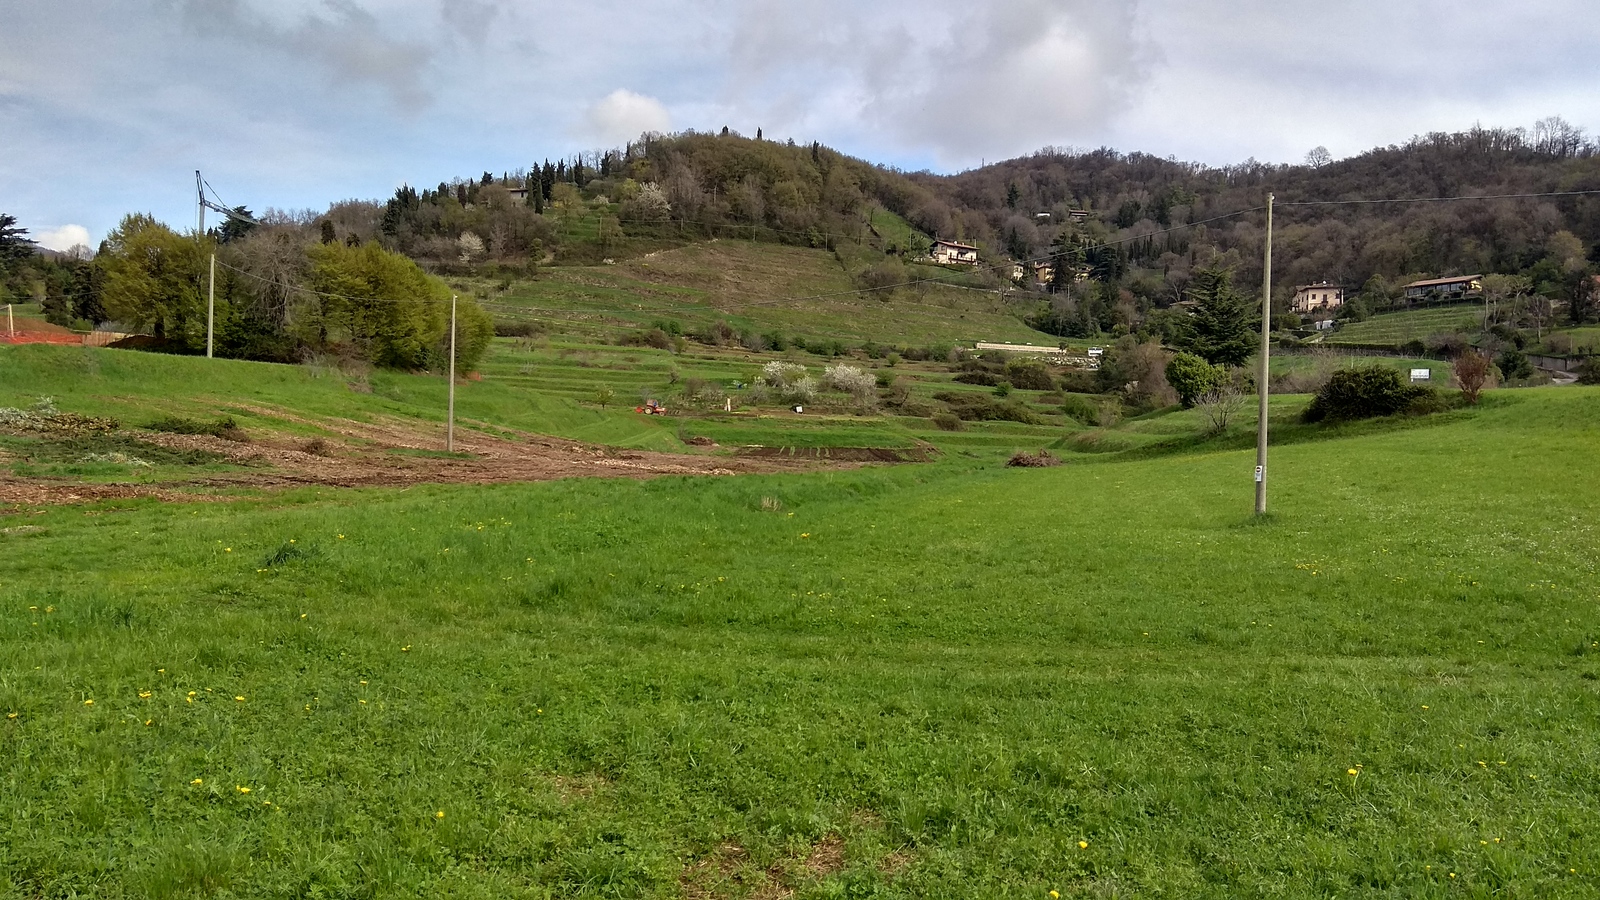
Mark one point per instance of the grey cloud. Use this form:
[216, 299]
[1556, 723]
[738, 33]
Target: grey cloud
[959, 79]
[346, 40]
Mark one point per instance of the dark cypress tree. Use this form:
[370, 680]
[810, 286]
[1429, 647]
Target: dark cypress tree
[561, 170]
[1012, 195]
[1223, 329]
[548, 176]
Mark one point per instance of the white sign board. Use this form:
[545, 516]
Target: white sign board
[1261, 474]
[1421, 374]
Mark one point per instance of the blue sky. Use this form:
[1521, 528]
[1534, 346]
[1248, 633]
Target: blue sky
[108, 106]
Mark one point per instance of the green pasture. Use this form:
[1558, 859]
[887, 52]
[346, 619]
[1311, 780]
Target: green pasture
[764, 288]
[1416, 324]
[1333, 359]
[1104, 679]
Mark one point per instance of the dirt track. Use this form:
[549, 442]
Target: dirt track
[395, 453]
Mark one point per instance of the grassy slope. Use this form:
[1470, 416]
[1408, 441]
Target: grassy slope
[1417, 324]
[762, 287]
[138, 387]
[599, 682]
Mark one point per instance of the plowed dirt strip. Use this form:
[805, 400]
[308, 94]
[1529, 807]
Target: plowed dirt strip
[391, 452]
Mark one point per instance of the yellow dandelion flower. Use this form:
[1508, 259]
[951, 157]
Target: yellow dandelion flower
[240, 699]
[88, 703]
[11, 715]
[198, 781]
[228, 550]
[1351, 772]
[1083, 845]
[242, 789]
[362, 702]
[149, 721]
[1055, 895]
[806, 534]
[144, 695]
[439, 814]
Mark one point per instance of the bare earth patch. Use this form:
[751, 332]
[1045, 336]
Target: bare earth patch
[395, 452]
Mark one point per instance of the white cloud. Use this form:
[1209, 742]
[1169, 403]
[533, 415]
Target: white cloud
[622, 116]
[64, 238]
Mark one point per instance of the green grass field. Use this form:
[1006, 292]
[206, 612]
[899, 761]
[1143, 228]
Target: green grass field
[941, 680]
[1416, 324]
[755, 286]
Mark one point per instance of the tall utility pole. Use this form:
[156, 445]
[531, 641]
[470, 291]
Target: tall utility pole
[200, 207]
[211, 306]
[450, 416]
[1261, 379]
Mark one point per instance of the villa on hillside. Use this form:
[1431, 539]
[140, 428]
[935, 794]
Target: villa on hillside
[1457, 288]
[1323, 295]
[950, 253]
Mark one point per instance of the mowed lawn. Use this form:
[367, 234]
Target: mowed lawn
[948, 680]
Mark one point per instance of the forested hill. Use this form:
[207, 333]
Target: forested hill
[1018, 209]
[1126, 232]
[1135, 195]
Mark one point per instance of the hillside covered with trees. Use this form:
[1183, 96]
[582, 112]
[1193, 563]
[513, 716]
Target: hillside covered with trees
[1128, 236]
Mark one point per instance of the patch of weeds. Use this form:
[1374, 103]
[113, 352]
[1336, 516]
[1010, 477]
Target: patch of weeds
[225, 427]
[43, 417]
[1025, 460]
[103, 447]
[289, 552]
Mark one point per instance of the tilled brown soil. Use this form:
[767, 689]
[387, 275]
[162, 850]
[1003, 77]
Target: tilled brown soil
[395, 453]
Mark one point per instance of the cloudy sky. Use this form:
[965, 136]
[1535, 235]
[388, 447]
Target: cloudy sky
[108, 106]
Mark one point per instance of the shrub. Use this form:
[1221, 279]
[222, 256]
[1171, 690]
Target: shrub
[945, 421]
[655, 337]
[518, 329]
[979, 378]
[225, 427]
[974, 407]
[1471, 373]
[1192, 377]
[861, 385]
[1003, 389]
[1366, 393]
[1589, 372]
[1513, 363]
[1024, 459]
[788, 381]
[1029, 375]
[1082, 409]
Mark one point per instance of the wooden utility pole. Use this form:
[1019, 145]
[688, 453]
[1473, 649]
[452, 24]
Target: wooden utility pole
[450, 416]
[1261, 378]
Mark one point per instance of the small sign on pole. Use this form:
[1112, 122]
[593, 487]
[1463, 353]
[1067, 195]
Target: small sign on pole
[1421, 375]
[1261, 474]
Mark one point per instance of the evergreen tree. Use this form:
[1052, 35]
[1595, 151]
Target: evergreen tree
[1012, 195]
[15, 245]
[1225, 327]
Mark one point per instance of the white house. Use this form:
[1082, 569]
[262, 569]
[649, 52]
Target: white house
[1312, 297]
[950, 253]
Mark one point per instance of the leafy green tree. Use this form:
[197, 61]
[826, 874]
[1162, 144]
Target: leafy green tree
[152, 280]
[1224, 328]
[383, 308]
[1191, 376]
